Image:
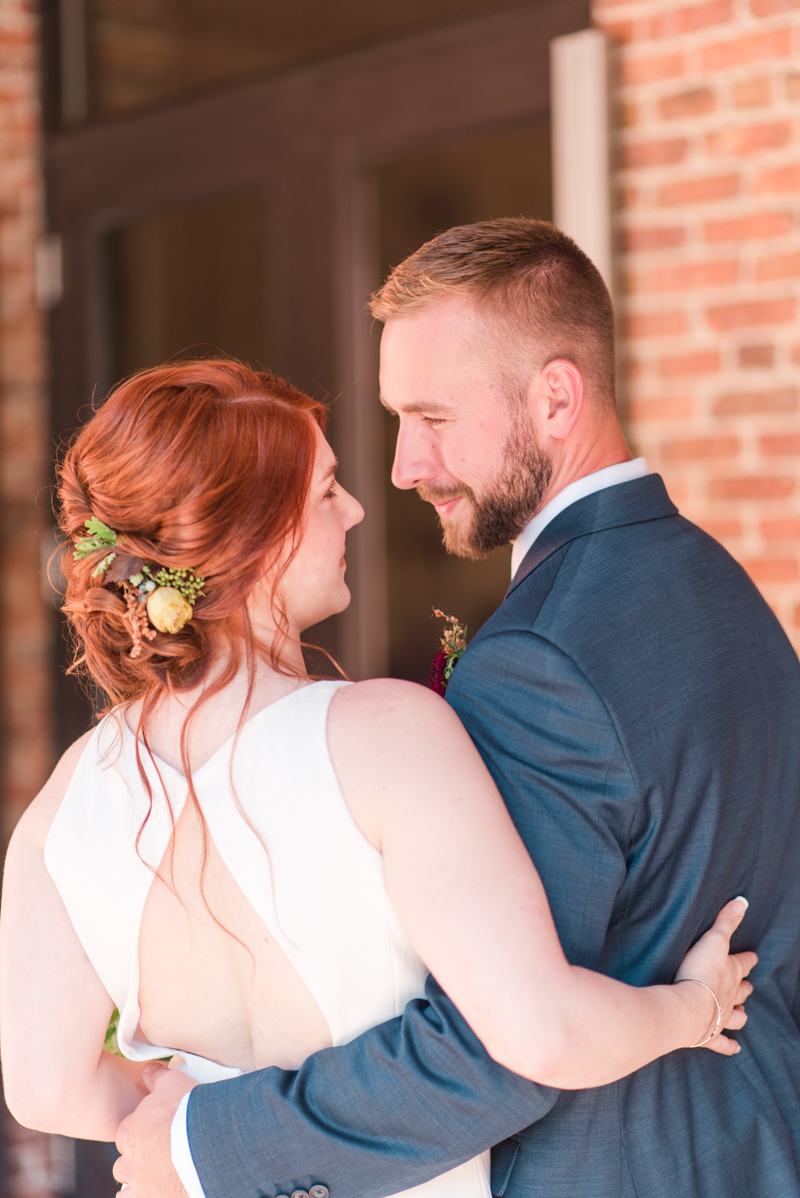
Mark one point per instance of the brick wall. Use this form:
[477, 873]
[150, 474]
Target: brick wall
[25, 747]
[34, 1163]
[707, 176]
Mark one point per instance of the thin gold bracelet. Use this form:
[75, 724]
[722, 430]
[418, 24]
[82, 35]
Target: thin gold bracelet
[718, 1024]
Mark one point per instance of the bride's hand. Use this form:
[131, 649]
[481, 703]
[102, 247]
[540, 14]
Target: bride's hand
[711, 962]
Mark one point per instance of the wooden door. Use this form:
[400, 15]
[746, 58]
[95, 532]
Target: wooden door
[310, 154]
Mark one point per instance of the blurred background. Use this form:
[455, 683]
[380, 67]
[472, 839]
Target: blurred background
[182, 177]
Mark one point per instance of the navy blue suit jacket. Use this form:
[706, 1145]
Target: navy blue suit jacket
[637, 704]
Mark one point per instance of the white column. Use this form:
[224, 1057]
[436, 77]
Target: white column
[580, 125]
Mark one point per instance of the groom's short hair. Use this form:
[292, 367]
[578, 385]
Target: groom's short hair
[543, 297]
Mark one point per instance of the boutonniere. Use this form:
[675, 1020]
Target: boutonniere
[453, 642]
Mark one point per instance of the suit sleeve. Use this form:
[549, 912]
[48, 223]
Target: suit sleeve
[418, 1095]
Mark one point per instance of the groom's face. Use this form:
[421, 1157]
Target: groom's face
[467, 447]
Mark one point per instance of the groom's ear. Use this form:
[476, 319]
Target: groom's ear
[556, 398]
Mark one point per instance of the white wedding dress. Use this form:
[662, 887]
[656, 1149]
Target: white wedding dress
[337, 927]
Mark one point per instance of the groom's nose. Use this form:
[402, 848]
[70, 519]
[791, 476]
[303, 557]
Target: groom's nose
[414, 460]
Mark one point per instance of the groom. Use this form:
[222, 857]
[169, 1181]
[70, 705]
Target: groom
[637, 704]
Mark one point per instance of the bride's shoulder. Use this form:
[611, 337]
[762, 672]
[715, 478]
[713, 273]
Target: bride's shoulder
[35, 821]
[391, 716]
[382, 702]
[395, 745]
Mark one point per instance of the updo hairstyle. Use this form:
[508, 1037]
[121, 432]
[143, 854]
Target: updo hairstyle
[202, 464]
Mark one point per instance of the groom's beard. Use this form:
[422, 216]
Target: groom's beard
[508, 503]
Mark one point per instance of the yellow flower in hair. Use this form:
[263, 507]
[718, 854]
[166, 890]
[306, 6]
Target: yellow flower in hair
[168, 609]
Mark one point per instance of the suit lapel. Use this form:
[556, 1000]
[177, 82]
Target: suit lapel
[634, 502]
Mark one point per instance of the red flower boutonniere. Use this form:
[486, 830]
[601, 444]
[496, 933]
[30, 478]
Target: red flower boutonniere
[454, 642]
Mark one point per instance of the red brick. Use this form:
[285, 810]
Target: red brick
[647, 70]
[645, 410]
[783, 445]
[767, 569]
[781, 266]
[760, 224]
[701, 448]
[699, 191]
[750, 93]
[687, 276]
[754, 403]
[751, 47]
[652, 239]
[656, 324]
[686, 20]
[738, 142]
[702, 362]
[768, 8]
[620, 31]
[793, 87]
[753, 486]
[685, 104]
[787, 529]
[654, 153]
[735, 316]
[722, 530]
[627, 114]
[780, 179]
[600, 5]
[756, 355]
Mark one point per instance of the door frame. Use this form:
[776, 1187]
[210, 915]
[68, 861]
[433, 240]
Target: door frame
[311, 137]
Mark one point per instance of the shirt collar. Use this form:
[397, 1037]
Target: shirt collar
[609, 476]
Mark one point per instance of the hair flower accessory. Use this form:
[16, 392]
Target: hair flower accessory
[167, 609]
[453, 642]
[157, 599]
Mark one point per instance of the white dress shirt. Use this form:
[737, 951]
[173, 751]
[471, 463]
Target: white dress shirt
[610, 476]
[623, 472]
[181, 1152]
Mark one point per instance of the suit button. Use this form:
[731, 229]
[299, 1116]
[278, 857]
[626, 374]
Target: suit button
[300, 1194]
[319, 1192]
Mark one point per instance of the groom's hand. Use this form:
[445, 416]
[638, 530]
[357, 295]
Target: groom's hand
[144, 1137]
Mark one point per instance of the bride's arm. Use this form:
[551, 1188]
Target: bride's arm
[473, 906]
[54, 1010]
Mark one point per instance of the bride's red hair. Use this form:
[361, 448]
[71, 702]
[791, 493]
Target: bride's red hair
[203, 464]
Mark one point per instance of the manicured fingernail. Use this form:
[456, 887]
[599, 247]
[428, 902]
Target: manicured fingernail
[742, 906]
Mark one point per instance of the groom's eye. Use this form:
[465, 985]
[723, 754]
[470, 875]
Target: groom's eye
[433, 420]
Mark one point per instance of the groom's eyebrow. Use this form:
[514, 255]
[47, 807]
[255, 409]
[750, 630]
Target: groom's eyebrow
[414, 409]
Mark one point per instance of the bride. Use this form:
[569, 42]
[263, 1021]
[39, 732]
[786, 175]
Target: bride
[252, 865]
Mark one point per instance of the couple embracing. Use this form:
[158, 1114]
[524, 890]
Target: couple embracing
[395, 944]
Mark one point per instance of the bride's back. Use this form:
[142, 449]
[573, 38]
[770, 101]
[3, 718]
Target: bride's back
[214, 980]
[259, 929]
